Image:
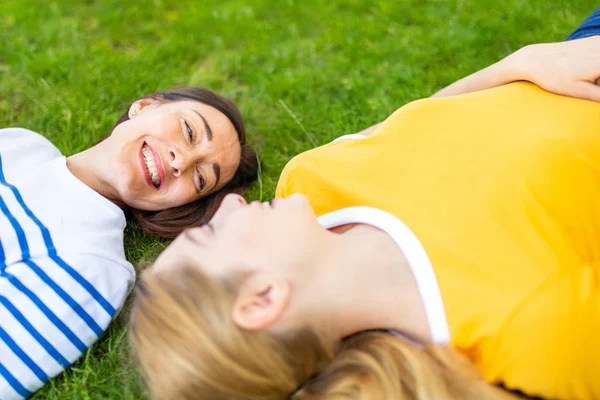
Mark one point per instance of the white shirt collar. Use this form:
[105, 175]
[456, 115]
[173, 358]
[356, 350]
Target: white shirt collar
[413, 252]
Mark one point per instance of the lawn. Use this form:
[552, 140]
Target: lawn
[302, 73]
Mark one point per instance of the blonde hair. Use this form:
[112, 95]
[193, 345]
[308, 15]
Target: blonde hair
[187, 346]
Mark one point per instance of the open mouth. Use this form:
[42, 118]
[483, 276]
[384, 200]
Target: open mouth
[152, 166]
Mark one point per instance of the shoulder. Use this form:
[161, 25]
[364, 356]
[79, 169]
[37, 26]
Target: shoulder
[23, 139]
[291, 172]
[315, 163]
[22, 150]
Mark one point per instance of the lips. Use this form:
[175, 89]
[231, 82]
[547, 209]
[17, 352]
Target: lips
[151, 166]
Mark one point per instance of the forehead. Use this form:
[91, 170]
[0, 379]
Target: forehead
[185, 253]
[176, 253]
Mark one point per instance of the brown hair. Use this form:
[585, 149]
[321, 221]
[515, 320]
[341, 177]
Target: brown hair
[188, 347]
[170, 222]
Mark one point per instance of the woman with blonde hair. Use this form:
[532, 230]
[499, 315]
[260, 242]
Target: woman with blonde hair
[456, 248]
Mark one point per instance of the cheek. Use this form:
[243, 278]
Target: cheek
[129, 130]
[236, 231]
[153, 124]
[253, 237]
[121, 131]
[163, 127]
[181, 192]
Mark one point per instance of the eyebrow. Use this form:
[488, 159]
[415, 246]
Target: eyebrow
[207, 129]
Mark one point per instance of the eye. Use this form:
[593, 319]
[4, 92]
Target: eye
[189, 130]
[202, 181]
[211, 227]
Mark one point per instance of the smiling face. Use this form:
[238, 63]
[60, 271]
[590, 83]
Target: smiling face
[170, 154]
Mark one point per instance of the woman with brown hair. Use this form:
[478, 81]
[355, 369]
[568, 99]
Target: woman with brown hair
[456, 248]
[167, 163]
[197, 141]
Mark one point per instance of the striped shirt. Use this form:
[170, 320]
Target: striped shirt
[63, 272]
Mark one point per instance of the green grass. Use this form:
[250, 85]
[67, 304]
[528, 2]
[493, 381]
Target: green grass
[302, 72]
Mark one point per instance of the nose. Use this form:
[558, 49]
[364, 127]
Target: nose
[180, 160]
[231, 203]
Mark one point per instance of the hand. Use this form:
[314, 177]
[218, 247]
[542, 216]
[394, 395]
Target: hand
[568, 68]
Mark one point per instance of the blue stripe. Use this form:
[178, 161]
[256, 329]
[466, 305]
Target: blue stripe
[66, 297]
[49, 314]
[110, 310]
[2, 258]
[23, 356]
[13, 382]
[17, 314]
[43, 276]
[33, 332]
[18, 230]
[52, 250]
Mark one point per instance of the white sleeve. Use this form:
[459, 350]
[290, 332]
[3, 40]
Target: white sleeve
[52, 309]
[22, 150]
[112, 277]
[349, 136]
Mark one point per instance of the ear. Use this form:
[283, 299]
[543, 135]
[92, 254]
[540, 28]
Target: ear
[261, 301]
[139, 105]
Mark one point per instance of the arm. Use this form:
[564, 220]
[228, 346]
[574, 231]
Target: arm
[51, 322]
[568, 68]
[500, 73]
[565, 68]
[504, 71]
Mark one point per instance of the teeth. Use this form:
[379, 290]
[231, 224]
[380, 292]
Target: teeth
[151, 165]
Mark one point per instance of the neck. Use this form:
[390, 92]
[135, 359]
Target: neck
[366, 283]
[87, 167]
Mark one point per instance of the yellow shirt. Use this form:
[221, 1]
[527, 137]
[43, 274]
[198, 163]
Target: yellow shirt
[502, 189]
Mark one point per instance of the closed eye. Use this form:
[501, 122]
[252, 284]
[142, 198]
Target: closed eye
[209, 226]
[189, 130]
